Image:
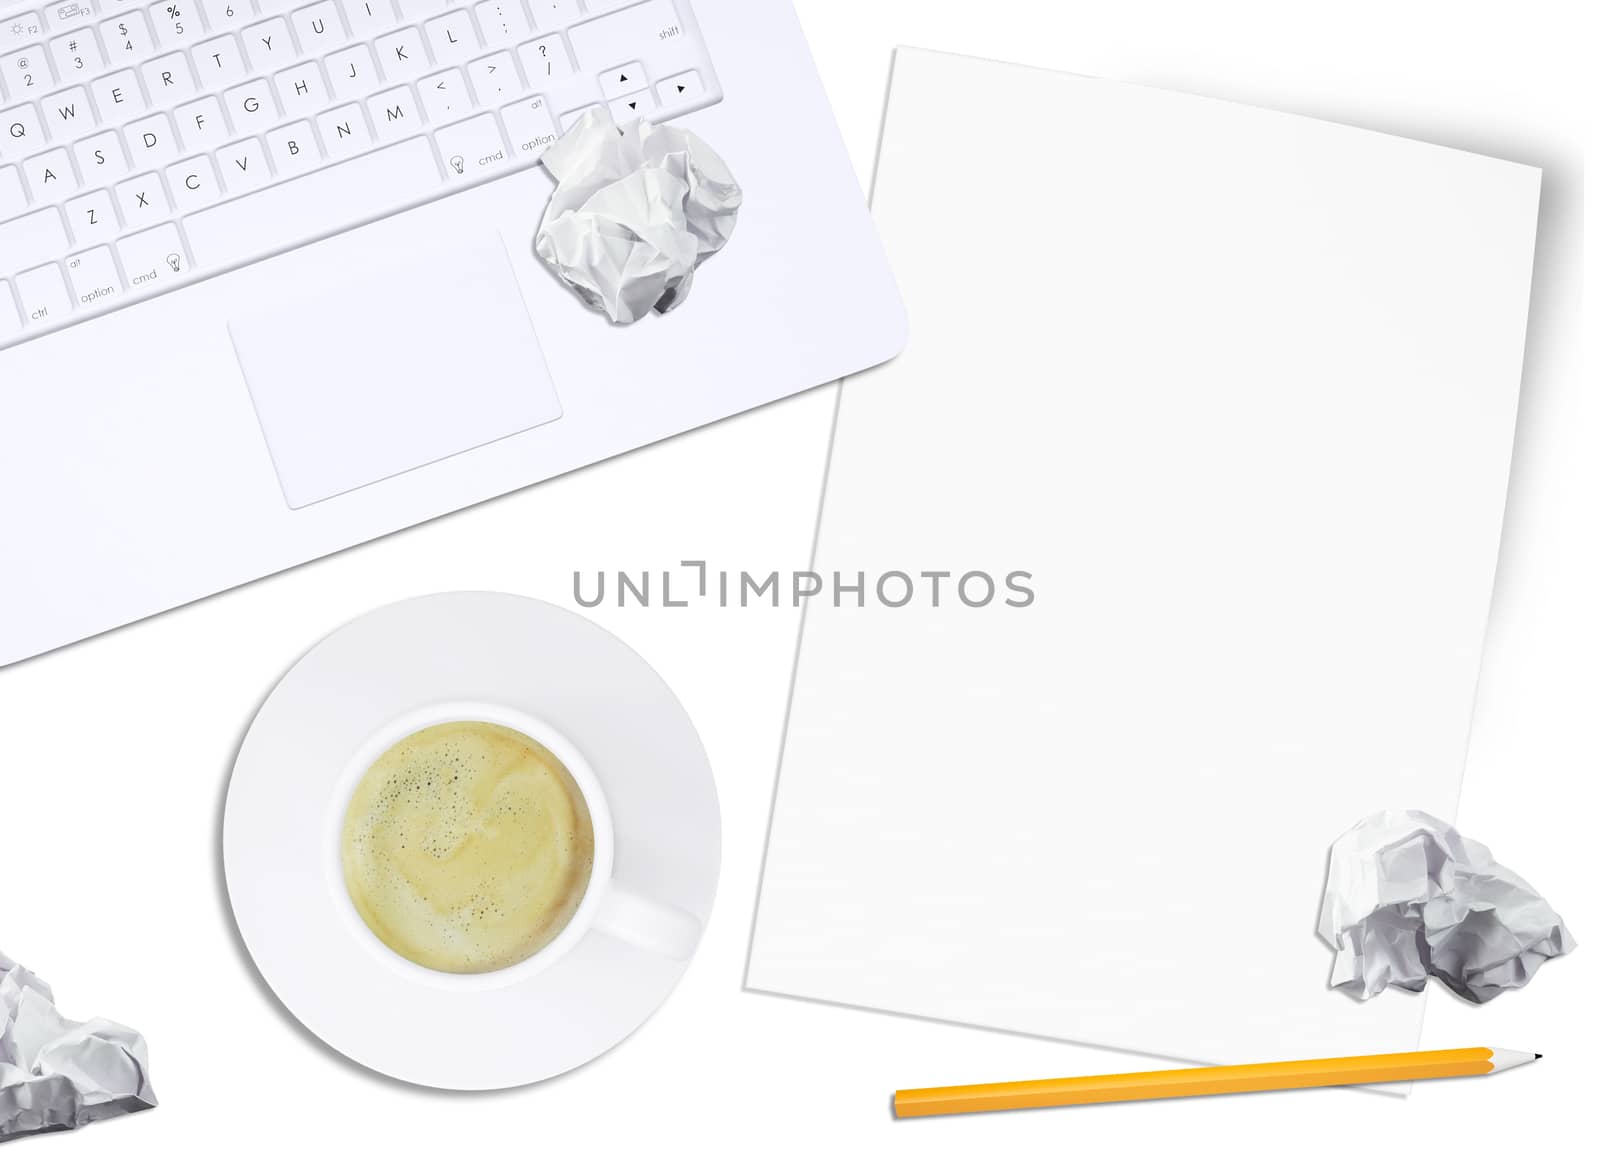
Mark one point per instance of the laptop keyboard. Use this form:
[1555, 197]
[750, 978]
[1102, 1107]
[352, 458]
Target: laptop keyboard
[145, 146]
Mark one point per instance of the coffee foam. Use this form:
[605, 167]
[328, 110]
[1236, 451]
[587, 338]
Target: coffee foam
[467, 847]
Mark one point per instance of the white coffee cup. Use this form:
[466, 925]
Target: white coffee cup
[606, 908]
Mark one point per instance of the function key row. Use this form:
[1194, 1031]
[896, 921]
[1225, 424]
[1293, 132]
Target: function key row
[173, 22]
[309, 31]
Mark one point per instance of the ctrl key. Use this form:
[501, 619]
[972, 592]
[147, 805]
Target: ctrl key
[44, 296]
[154, 259]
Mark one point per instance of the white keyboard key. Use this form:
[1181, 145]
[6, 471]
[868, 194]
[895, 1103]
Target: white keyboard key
[444, 97]
[142, 201]
[220, 62]
[91, 218]
[101, 159]
[367, 18]
[201, 125]
[472, 149]
[570, 118]
[395, 115]
[294, 149]
[549, 14]
[300, 90]
[26, 72]
[503, 22]
[268, 46]
[420, 10]
[13, 200]
[96, 282]
[20, 131]
[530, 126]
[545, 60]
[314, 205]
[681, 89]
[176, 22]
[10, 317]
[353, 73]
[494, 79]
[633, 107]
[50, 175]
[251, 106]
[20, 29]
[244, 166]
[344, 132]
[193, 183]
[168, 80]
[118, 96]
[126, 38]
[452, 38]
[224, 15]
[33, 239]
[44, 296]
[77, 55]
[318, 28]
[153, 258]
[401, 55]
[625, 34]
[623, 80]
[68, 113]
[151, 142]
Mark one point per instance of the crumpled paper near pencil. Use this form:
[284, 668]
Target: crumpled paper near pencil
[635, 212]
[56, 1073]
[1409, 896]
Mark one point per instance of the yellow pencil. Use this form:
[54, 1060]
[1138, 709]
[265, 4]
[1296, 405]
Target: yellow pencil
[1217, 1081]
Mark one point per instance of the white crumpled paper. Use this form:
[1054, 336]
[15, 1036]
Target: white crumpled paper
[1409, 896]
[55, 1073]
[635, 212]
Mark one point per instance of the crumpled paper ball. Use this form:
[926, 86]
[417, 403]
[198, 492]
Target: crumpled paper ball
[55, 1073]
[636, 210]
[1409, 896]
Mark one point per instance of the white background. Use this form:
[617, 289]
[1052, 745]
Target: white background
[114, 754]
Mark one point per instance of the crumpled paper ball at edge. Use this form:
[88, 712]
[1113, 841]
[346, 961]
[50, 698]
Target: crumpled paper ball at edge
[636, 211]
[1408, 897]
[56, 1073]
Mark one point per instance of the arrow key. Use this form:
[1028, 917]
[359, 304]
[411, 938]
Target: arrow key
[633, 107]
[682, 90]
[494, 79]
[624, 80]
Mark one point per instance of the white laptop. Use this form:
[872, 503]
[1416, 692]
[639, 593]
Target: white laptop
[268, 289]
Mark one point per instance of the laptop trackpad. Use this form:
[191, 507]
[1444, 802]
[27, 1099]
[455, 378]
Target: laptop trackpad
[405, 363]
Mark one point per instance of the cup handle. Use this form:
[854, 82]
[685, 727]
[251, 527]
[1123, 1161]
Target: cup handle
[649, 925]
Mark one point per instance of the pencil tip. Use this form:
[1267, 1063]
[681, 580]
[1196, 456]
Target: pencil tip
[1536, 1055]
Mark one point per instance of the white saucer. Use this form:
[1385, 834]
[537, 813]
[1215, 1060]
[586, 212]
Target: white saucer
[499, 650]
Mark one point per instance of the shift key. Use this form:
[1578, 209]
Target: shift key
[33, 239]
[625, 34]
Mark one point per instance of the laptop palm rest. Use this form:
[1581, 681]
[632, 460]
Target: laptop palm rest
[388, 369]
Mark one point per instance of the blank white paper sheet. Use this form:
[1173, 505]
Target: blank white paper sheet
[1237, 389]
